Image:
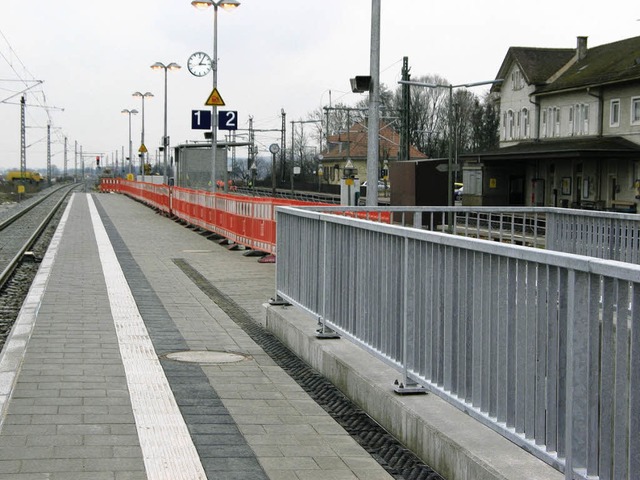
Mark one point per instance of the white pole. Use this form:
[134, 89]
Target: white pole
[374, 107]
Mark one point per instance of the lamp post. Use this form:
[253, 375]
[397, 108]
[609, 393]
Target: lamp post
[143, 148]
[274, 148]
[227, 5]
[165, 139]
[130, 112]
[449, 121]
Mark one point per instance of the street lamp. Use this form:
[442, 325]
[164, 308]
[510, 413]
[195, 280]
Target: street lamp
[227, 5]
[143, 148]
[450, 87]
[165, 139]
[130, 112]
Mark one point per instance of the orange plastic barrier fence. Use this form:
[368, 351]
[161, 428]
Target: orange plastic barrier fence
[248, 221]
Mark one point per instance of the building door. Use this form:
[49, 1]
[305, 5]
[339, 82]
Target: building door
[537, 192]
[516, 190]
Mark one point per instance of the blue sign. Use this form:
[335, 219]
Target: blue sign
[201, 119]
[227, 120]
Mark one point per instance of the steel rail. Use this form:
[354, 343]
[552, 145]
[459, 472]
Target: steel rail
[5, 223]
[13, 264]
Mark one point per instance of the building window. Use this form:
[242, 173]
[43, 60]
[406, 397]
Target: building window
[516, 80]
[635, 111]
[614, 113]
[585, 120]
[556, 124]
[544, 123]
[571, 130]
[504, 126]
[581, 119]
[510, 125]
[525, 123]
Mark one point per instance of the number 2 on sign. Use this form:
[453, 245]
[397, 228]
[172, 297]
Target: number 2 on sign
[228, 120]
[231, 119]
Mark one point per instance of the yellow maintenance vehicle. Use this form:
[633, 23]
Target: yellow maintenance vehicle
[15, 175]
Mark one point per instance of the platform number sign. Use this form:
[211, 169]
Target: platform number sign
[227, 120]
[201, 119]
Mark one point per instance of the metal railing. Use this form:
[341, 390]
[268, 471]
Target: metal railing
[607, 235]
[541, 346]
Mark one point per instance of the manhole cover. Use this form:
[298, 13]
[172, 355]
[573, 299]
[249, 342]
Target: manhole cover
[204, 356]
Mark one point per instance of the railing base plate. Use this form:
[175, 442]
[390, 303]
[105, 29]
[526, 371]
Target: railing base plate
[278, 302]
[412, 389]
[327, 334]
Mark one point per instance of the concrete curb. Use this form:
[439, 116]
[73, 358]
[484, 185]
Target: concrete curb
[448, 440]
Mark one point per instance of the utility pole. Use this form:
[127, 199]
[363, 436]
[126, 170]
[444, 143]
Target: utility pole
[292, 154]
[23, 139]
[49, 154]
[283, 144]
[233, 153]
[403, 151]
[64, 173]
[75, 162]
[251, 144]
[373, 150]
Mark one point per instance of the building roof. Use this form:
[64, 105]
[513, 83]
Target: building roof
[354, 144]
[574, 146]
[537, 64]
[610, 63]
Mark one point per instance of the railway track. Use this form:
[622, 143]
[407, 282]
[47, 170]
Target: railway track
[25, 233]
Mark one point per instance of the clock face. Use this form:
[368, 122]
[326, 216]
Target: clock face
[199, 64]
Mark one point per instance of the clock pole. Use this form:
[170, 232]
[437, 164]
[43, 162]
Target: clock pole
[226, 4]
[214, 108]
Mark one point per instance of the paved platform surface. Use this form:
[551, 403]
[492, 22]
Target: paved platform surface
[90, 387]
[87, 386]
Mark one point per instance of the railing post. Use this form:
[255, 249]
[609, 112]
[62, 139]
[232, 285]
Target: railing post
[577, 384]
[408, 386]
[324, 331]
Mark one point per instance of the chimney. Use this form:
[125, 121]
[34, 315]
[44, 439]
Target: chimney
[582, 48]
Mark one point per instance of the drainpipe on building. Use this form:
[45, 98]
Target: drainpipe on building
[537, 106]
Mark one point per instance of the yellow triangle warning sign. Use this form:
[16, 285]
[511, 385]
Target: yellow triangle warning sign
[142, 149]
[215, 100]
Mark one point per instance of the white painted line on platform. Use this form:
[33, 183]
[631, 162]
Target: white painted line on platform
[15, 346]
[167, 447]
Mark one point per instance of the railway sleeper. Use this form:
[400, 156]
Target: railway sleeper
[31, 257]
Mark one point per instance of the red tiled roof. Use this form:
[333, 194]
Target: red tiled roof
[354, 144]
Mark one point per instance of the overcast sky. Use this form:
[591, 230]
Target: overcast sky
[272, 55]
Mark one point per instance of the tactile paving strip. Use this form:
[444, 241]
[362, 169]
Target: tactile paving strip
[168, 451]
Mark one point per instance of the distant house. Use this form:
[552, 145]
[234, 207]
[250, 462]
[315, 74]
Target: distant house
[569, 132]
[352, 145]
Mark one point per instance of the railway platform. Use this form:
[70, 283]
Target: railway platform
[135, 356]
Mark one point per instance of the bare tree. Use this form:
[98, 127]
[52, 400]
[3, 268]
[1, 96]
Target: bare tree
[474, 122]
